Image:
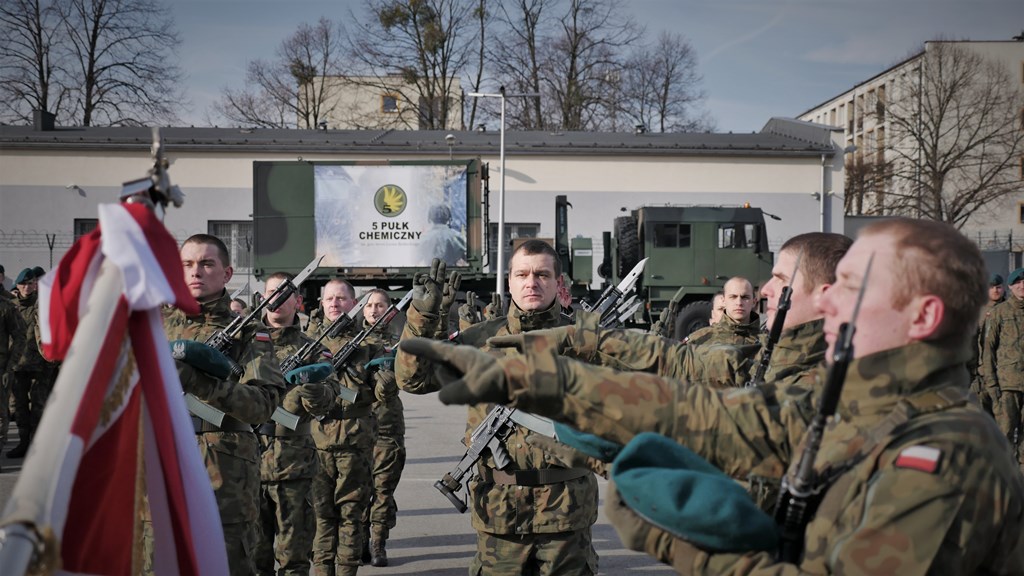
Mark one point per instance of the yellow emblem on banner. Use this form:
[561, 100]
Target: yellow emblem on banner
[390, 200]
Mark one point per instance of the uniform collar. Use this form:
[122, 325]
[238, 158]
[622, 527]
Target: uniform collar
[219, 307]
[520, 320]
[799, 348]
[875, 383]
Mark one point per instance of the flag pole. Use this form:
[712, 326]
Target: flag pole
[26, 541]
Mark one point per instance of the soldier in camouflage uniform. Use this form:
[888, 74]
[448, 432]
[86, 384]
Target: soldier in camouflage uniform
[30, 367]
[344, 441]
[12, 344]
[919, 478]
[996, 296]
[289, 459]
[1003, 370]
[389, 449]
[534, 516]
[230, 451]
[698, 337]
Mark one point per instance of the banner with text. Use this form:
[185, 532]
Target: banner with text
[390, 216]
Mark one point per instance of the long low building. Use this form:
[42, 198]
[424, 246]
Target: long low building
[51, 180]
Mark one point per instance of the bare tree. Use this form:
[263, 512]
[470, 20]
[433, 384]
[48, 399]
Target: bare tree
[298, 89]
[516, 60]
[661, 87]
[30, 77]
[866, 184]
[415, 51]
[121, 60]
[955, 135]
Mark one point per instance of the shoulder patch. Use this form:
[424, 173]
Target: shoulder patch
[454, 335]
[262, 337]
[923, 458]
[325, 353]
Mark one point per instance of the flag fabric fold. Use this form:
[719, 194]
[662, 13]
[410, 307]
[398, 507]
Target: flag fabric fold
[117, 408]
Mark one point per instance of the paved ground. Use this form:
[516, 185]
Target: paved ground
[431, 536]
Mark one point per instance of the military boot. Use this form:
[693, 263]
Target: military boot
[366, 557]
[378, 554]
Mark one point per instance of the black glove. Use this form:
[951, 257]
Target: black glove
[467, 374]
[428, 288]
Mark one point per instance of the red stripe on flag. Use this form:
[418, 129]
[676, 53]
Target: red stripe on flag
[101, 511]
[66, 293]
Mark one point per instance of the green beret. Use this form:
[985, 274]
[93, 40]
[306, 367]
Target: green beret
[683, 494]
[310, 374]
[593, 446]
[202, 357]
[38, 272]
[25, 276]
[995, 280]
[1016, 276]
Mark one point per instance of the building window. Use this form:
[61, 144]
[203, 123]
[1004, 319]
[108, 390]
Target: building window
[1020, 212]
[84, 225]
[237, 236]
[671, 235]
[389, 103]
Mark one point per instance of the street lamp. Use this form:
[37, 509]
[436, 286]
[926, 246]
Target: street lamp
[500, 270]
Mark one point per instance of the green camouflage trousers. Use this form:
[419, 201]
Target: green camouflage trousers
[561, 553]
[341, 494]
[287, 527]
[239, 539]
[388, 463]
[1009, 415]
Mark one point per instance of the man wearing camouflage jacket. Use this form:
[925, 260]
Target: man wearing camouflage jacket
[12, 343]
[1003, 368]
[288, 460]
[919, 478]
[534, 516]
[344, 441]
[230, 451]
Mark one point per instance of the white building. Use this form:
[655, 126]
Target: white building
[52, 180]
[369, 102]
[865, 115]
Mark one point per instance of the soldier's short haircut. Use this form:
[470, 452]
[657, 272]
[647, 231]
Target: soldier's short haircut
[380, 291]
[222, 249]
[934, 258]
[533, 246]
[342, 282]
[822, 252]
[749, 284]
[282, 276]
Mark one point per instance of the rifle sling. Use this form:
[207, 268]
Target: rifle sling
[539, 477]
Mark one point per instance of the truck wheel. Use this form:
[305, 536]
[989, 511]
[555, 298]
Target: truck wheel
[628, 243]
[692, 317]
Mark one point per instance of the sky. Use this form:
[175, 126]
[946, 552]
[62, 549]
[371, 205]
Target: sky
[759, 58]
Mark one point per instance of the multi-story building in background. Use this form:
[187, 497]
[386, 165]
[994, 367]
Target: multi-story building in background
[390, 102]
[949, 118]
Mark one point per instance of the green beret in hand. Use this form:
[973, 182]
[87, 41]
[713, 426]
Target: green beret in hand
[312, 373]
[681, 493]
[202, 357]
[589, 444]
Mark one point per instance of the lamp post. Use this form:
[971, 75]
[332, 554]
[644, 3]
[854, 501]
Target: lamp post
[500, 268]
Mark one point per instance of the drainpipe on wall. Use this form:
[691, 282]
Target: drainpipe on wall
[824, 191]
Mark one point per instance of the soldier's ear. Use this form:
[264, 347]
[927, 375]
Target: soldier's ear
[926, 314]
[228, 273]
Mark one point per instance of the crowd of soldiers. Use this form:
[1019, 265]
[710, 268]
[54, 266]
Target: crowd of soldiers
[910, 474]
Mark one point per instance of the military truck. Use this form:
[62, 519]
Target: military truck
[691, 252]
[371, 220]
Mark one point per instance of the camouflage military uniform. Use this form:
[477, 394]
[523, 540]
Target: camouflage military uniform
[341, 491]
[920, 477]
[231, 453]
[28, 374]
[1003, 371]
[388, 452]
[713, 364]
[518, 525]
[12, 344]
[976, 365]
[288, 465]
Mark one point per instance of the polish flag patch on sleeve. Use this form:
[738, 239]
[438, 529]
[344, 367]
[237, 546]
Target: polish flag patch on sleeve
[262, 337]
[923, 458]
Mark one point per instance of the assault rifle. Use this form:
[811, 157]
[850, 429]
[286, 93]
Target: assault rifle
[803, 489]
[781, 311]
[223, 340]
[341, 356]
[611, 300]
[490, 435]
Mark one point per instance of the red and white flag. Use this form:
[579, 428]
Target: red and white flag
[117, 400]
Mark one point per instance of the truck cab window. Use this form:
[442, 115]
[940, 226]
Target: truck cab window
[671, 235]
